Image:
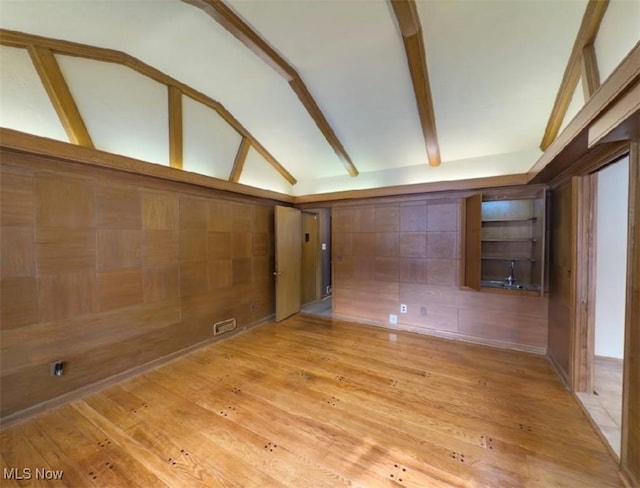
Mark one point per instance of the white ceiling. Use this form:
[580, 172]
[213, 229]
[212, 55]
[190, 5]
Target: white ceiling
[494, 67]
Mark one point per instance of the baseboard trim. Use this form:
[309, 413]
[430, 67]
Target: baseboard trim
[59, 401]
[609, 360]
[559, 371]
[541, 351]
[595, 427]
[628, 478]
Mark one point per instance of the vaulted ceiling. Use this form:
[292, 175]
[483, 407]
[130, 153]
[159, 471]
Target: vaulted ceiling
[493, 68]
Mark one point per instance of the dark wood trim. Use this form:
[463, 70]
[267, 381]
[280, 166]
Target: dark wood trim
[586, 35]
[235, 25]
[175, 127]
[20, 142]
[590, 73]
[56, 87]
[307, 100]
[472, 241]
[23, 40]
[625, 76]
[595, 159]
[630, 450]
[620, 122]
[28, 413]
[584, 297]
[241, 157]
[406, 14]
[329, 199]
[559, 371]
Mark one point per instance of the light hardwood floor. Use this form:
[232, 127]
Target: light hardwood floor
[312, 402]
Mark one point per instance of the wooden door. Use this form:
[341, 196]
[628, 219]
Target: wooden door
[288, 237]
[472, 243]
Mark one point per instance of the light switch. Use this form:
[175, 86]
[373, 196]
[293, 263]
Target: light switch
[324, 246]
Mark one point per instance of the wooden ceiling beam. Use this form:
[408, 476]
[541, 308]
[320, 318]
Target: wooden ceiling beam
[175, 127]
[23, 40]
[590, 73]
[56, 87]
[241, 157]
[586, 35]
[406, 13]
[234, 24]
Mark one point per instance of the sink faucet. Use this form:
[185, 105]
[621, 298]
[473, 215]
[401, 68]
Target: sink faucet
[511, 279]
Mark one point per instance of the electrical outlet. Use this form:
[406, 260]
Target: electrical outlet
[403, 308]
[57, 368]
[393, 318]
[423, 311]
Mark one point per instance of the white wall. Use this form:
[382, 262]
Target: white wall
[617, 35]
[611, 262]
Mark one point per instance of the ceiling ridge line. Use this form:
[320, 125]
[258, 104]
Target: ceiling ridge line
[241, 30]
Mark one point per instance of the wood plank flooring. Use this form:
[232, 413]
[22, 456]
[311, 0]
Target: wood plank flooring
[312, 402]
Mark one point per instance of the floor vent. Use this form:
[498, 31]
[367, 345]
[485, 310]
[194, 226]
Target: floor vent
[224, 326]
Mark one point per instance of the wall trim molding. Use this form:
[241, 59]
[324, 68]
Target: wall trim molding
[84, 391]
[539, 351]
[595, 427]
[21, 142]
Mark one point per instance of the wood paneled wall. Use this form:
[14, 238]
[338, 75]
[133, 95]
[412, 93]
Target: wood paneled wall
[107, 271]
[408, 252]
[561, 257]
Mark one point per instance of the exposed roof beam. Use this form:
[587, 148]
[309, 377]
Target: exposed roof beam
[241, 157]
[175, 127]
[406, 13]
[590, 72]
[23, 40]
[232, 22]
[591, 19]
[54, 83]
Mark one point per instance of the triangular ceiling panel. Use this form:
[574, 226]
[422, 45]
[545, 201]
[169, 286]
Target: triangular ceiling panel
[25, 105]
[210, 144]
[619, 32]
[259, 173]
[494, 80]
[125, 113]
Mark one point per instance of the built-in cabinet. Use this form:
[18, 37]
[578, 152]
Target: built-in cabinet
[505, 240]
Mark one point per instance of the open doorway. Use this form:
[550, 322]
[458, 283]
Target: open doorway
[603, 398]
[316, 262]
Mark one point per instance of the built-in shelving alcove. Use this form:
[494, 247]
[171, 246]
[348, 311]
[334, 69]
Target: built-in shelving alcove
[505, 239]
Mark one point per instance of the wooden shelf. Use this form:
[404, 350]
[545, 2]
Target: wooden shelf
[502, 258]
[528, 219]
[515, 239]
